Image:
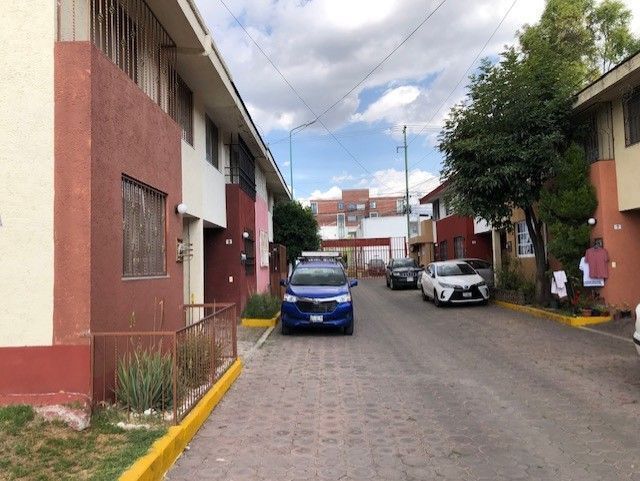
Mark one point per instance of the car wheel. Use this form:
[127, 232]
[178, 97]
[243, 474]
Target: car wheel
[424, 295]
[386, 281]
[285, 330]
[348, 330]
[392, 285]
[436, 299]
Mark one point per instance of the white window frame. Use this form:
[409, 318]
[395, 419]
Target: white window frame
[399, 206]
[361, 207]
[373, 214]
[372, 205]
[342, 225]
[524, 246]
[314, 208]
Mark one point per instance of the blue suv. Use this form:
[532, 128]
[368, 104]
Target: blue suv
[318, 294]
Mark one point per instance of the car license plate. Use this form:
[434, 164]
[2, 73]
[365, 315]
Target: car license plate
[466, 294]
[409, 279]
[316, 318]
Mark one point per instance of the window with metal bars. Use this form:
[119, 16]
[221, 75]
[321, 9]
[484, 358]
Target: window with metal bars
[131, 36]
[458, 247]
[242, 168]
[443, 252]
[631, 107]
[591, 144]
[185, 111]
[212, 142]
[144, 236]
[250, 252]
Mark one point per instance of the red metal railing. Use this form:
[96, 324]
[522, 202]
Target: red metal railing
[164, 372]
[195, 312]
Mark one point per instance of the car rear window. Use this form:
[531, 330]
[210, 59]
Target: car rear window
[318, 276]
[460, 269]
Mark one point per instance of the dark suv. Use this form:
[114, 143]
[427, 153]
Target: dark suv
[404, 272]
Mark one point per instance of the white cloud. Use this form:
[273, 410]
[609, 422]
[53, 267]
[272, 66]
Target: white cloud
[339, 179]
[334, 192]
[390, 106]
[392, 182]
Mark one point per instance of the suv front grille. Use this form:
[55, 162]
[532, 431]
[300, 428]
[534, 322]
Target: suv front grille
[311, 307]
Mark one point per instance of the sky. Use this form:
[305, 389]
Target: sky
[325, 48]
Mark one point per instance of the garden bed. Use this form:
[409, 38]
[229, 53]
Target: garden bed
[33, 448]
[262, 310]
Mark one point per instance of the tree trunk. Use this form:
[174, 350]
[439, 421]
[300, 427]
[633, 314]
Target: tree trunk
[536, 234]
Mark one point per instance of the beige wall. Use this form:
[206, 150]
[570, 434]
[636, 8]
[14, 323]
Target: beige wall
[26, 171]
[527, 265]
[627, 163]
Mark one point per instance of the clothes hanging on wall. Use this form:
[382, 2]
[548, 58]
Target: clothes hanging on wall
[559, 284]
[587, 280]
[598, 258]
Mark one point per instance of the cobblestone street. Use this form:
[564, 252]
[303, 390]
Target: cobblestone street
[419, 393]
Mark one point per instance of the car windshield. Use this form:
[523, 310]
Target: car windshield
[404, 263]
[318, 276]
[461, 269]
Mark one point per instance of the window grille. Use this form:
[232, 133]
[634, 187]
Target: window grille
[144, 236]
[242, 169]
[130, 35]
[442, 251]
[250, 252]
[523, 241]
[212, 142]
[632, 118]
[591, 144]
[185, 111]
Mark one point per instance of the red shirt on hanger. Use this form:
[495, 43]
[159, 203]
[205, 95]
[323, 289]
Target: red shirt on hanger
[598, 258]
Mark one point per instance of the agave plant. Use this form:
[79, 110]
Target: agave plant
[145, 380]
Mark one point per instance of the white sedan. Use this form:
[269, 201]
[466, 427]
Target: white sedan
[453, 282]
[636, 335]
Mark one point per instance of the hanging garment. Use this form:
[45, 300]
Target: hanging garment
[597, 258]
[560, 282]
[587, 280]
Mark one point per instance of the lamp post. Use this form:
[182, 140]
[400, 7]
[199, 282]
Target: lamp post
[299, 127]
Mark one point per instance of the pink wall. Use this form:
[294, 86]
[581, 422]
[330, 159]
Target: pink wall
[262, 224]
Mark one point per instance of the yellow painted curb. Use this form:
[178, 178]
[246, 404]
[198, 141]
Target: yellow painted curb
[248, 322]
[164, 452]
[569, 320]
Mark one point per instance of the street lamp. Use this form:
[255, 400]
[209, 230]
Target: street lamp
[299, 127]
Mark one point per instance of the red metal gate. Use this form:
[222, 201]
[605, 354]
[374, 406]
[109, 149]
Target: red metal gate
[367, 257]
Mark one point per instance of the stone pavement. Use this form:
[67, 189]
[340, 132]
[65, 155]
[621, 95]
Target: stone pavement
[419, 393]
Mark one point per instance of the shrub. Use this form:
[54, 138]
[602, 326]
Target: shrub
[145, 380]
[510, 278]
[261, 306]
[197, 358]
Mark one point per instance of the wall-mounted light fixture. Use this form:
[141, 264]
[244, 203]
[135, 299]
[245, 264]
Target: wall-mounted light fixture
[592, 221]
[243, 257]
[181, 208]
[245, 235]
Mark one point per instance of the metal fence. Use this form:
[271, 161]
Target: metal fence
[367, 257]
[195, 312]
[165, 372]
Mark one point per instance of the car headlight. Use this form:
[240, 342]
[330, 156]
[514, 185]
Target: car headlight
[290, 298]
[445, 285]
[481, 284]
[344, 298]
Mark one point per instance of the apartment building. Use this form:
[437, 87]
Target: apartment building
[134, 181]
[610, 109]
[340, 218]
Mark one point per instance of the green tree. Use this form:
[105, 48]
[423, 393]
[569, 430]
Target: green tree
[566, 203]
[614, 41]
[295, 227]
[503, 144]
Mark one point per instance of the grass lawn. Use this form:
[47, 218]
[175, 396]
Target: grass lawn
[32, 449]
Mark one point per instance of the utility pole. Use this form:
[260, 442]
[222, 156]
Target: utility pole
[406, 179]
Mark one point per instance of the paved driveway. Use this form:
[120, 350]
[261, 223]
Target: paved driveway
[420, 393]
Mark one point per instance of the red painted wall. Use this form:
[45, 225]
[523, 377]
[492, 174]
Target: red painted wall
[476, 245]
[623, 246]
[45, 375]
[222, 260]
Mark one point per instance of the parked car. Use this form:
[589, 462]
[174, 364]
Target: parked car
[376, 267]
[318, 294]
[403, 272]
[636, 335]
[453, 282]
[482, 267]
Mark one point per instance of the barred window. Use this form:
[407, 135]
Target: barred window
[250, 252]
[212, 142]
[443, 252]
[632, 118]
[143, 220]
[523, 241]
[185, 111]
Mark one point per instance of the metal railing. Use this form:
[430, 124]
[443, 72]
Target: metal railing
[195, 312]
[164, 373]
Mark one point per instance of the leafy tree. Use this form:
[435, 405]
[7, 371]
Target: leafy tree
[295, 227]
[502, 145]
[565, 204]
[614, 41]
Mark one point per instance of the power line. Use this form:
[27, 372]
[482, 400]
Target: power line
[379, 64]
[464, 75]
